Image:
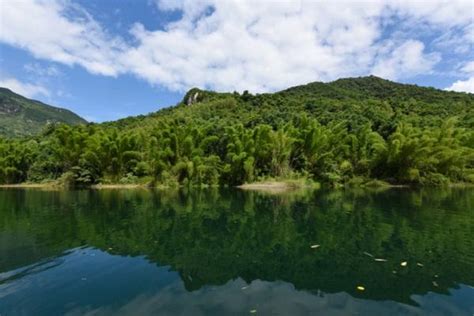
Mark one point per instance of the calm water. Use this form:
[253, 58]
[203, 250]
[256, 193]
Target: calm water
[227, 252]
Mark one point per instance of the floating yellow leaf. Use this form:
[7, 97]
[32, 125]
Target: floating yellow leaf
[314, 246]
[361, 288]
[253, 311]
[404, 264]
[419, 264]
[380, 259]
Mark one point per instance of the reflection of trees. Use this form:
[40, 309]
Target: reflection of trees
[212, 236]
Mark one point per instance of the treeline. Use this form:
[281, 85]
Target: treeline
[230, 139]
[179, 153]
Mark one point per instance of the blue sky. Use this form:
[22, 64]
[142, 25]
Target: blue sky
[110, 59]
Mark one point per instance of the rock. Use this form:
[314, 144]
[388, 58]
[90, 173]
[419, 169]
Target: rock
[192, 98]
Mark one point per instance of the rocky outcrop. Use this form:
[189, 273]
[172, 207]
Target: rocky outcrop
[192, 98]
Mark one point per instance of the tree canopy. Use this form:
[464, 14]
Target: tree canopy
[346, 131]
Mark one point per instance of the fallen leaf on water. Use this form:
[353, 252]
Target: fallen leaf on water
[394, 272]
[368, 254]
[314, 246]
[360, 288]
[404, 264]
[380, 259]
[419, 264]
[253, 311]
[435, 283]
[244, 287]
[435, 275]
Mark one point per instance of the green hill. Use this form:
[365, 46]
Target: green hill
[377, 101]
[20, 116]
[349, 131]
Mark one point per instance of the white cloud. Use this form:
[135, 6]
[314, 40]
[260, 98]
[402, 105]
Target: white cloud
[468, 68]
[25, 89]
[458, 40]
[256, 46]
[444, 12]
[463, 85]
[406, 59]
[48, 30]
[238, 45]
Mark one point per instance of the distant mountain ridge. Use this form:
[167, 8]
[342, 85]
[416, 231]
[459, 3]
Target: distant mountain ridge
[20, 116]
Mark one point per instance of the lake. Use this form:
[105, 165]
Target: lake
[232, 252]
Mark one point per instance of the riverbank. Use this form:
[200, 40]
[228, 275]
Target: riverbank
[28, 185]
[119, 186]
[279, 186]
[56, 185]
[272, 186]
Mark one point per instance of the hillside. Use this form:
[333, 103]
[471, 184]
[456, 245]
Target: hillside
[382, 103]
[20, 116]
[349, 131]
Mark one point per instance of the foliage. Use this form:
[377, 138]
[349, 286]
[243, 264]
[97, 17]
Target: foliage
[363, 128]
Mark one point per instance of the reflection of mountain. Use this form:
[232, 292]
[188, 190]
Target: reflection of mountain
[211, 237]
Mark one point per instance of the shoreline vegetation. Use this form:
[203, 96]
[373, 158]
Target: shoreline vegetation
[356, 132]
[273, 186]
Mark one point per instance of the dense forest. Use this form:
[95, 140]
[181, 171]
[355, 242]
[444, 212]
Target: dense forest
[349, 131]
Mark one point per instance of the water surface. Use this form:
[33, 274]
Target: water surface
[228, 252]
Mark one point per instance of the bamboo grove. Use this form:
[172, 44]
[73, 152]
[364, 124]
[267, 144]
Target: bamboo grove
[346, 132]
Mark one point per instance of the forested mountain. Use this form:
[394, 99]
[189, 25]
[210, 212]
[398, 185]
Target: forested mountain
[346, 131]
[20, 116]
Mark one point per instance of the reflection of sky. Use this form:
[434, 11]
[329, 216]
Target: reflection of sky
[89, 281]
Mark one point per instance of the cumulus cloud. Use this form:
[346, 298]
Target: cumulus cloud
[404, 60]
[26, 89]
[465, 85]
[60, 32]
[247, 45]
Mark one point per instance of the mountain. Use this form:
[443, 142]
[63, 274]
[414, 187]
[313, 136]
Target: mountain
[348, 131]
[371, 99]
[20, 116]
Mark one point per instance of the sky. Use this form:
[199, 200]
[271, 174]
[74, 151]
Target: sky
[110, 59]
